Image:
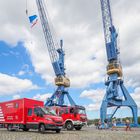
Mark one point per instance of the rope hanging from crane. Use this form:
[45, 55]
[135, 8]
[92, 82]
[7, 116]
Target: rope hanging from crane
[26, 8]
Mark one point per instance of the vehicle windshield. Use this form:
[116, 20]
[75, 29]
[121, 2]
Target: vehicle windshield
[48, 111]
[81, 111]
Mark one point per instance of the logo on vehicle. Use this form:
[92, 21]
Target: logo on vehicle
[10, 105]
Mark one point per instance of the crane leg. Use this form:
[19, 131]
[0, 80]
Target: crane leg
[134, 112]
[58, 98]
[61, 99]
[128, 102]
[103, 111]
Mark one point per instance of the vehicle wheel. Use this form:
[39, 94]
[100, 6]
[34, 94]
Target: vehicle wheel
[78, 128]
[42, 128]
[69, 126]
[9, 127]
[58, 130]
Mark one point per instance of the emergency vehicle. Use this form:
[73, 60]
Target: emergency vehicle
[28, 114]
[73, 116]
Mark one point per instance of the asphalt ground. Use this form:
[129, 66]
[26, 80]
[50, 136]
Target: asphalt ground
[84, 134]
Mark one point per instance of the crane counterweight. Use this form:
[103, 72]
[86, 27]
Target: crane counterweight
[62, 81]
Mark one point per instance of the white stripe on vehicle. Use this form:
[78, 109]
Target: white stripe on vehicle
[2, 120]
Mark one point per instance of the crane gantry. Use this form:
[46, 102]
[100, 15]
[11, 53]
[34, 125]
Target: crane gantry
[114, 83]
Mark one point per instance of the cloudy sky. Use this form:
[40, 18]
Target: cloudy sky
[25, 68]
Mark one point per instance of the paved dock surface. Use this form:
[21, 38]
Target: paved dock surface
[84, 134]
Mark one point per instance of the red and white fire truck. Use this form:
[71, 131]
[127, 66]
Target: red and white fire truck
[28, 114]
[73, 116]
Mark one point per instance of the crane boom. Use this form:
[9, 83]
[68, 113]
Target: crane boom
[114, 70]
[50, 41]
[107, 20]
[109, 31]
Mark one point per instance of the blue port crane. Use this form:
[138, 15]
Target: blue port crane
[115, 88]
[57, 54]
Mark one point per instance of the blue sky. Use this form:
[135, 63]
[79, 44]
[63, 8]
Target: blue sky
[25, 68]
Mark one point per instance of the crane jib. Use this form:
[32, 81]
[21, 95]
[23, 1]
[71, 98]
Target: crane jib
[111, 51]
[56, 68]
[50, 40]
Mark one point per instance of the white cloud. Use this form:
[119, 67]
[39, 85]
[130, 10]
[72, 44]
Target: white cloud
[96, 96]
[20, 73]
[136, 96]
[17, 96]
[131, 75]
[25, 70]
[83, 37]
[93, 107]
[11, 85]
[42, 97]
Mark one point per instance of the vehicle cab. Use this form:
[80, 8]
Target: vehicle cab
[42, 119]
